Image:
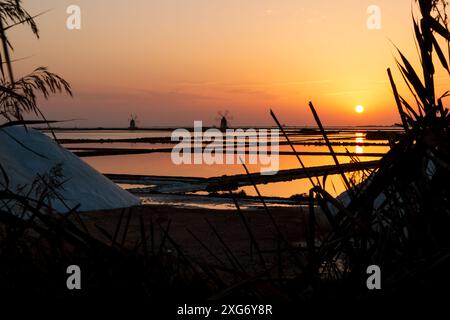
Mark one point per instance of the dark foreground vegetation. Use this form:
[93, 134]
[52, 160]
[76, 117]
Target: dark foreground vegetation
[396, 216]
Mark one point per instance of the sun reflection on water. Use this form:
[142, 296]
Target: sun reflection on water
[359, 138]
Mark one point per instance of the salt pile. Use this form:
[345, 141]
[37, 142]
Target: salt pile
[26, 153]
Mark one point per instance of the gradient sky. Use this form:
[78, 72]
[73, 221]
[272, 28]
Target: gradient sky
[175, 61]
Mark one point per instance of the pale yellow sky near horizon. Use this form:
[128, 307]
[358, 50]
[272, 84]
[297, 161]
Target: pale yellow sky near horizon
[175, 61]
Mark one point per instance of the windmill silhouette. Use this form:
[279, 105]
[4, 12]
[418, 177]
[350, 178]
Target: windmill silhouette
[133, 122]
[224, 118]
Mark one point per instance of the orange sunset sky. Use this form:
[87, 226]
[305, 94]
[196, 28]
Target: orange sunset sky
[175, 61]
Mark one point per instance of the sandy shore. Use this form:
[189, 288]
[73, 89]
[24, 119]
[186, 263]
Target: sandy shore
[228, 223]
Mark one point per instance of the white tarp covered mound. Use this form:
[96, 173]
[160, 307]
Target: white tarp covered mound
[38, 154]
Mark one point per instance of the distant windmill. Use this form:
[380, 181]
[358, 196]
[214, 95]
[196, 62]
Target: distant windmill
[133, 122]
[224, 118]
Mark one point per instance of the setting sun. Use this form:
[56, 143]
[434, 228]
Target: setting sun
[359, 109]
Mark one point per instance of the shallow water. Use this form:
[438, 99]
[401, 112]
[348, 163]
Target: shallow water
[160, 164]
[214, 203]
